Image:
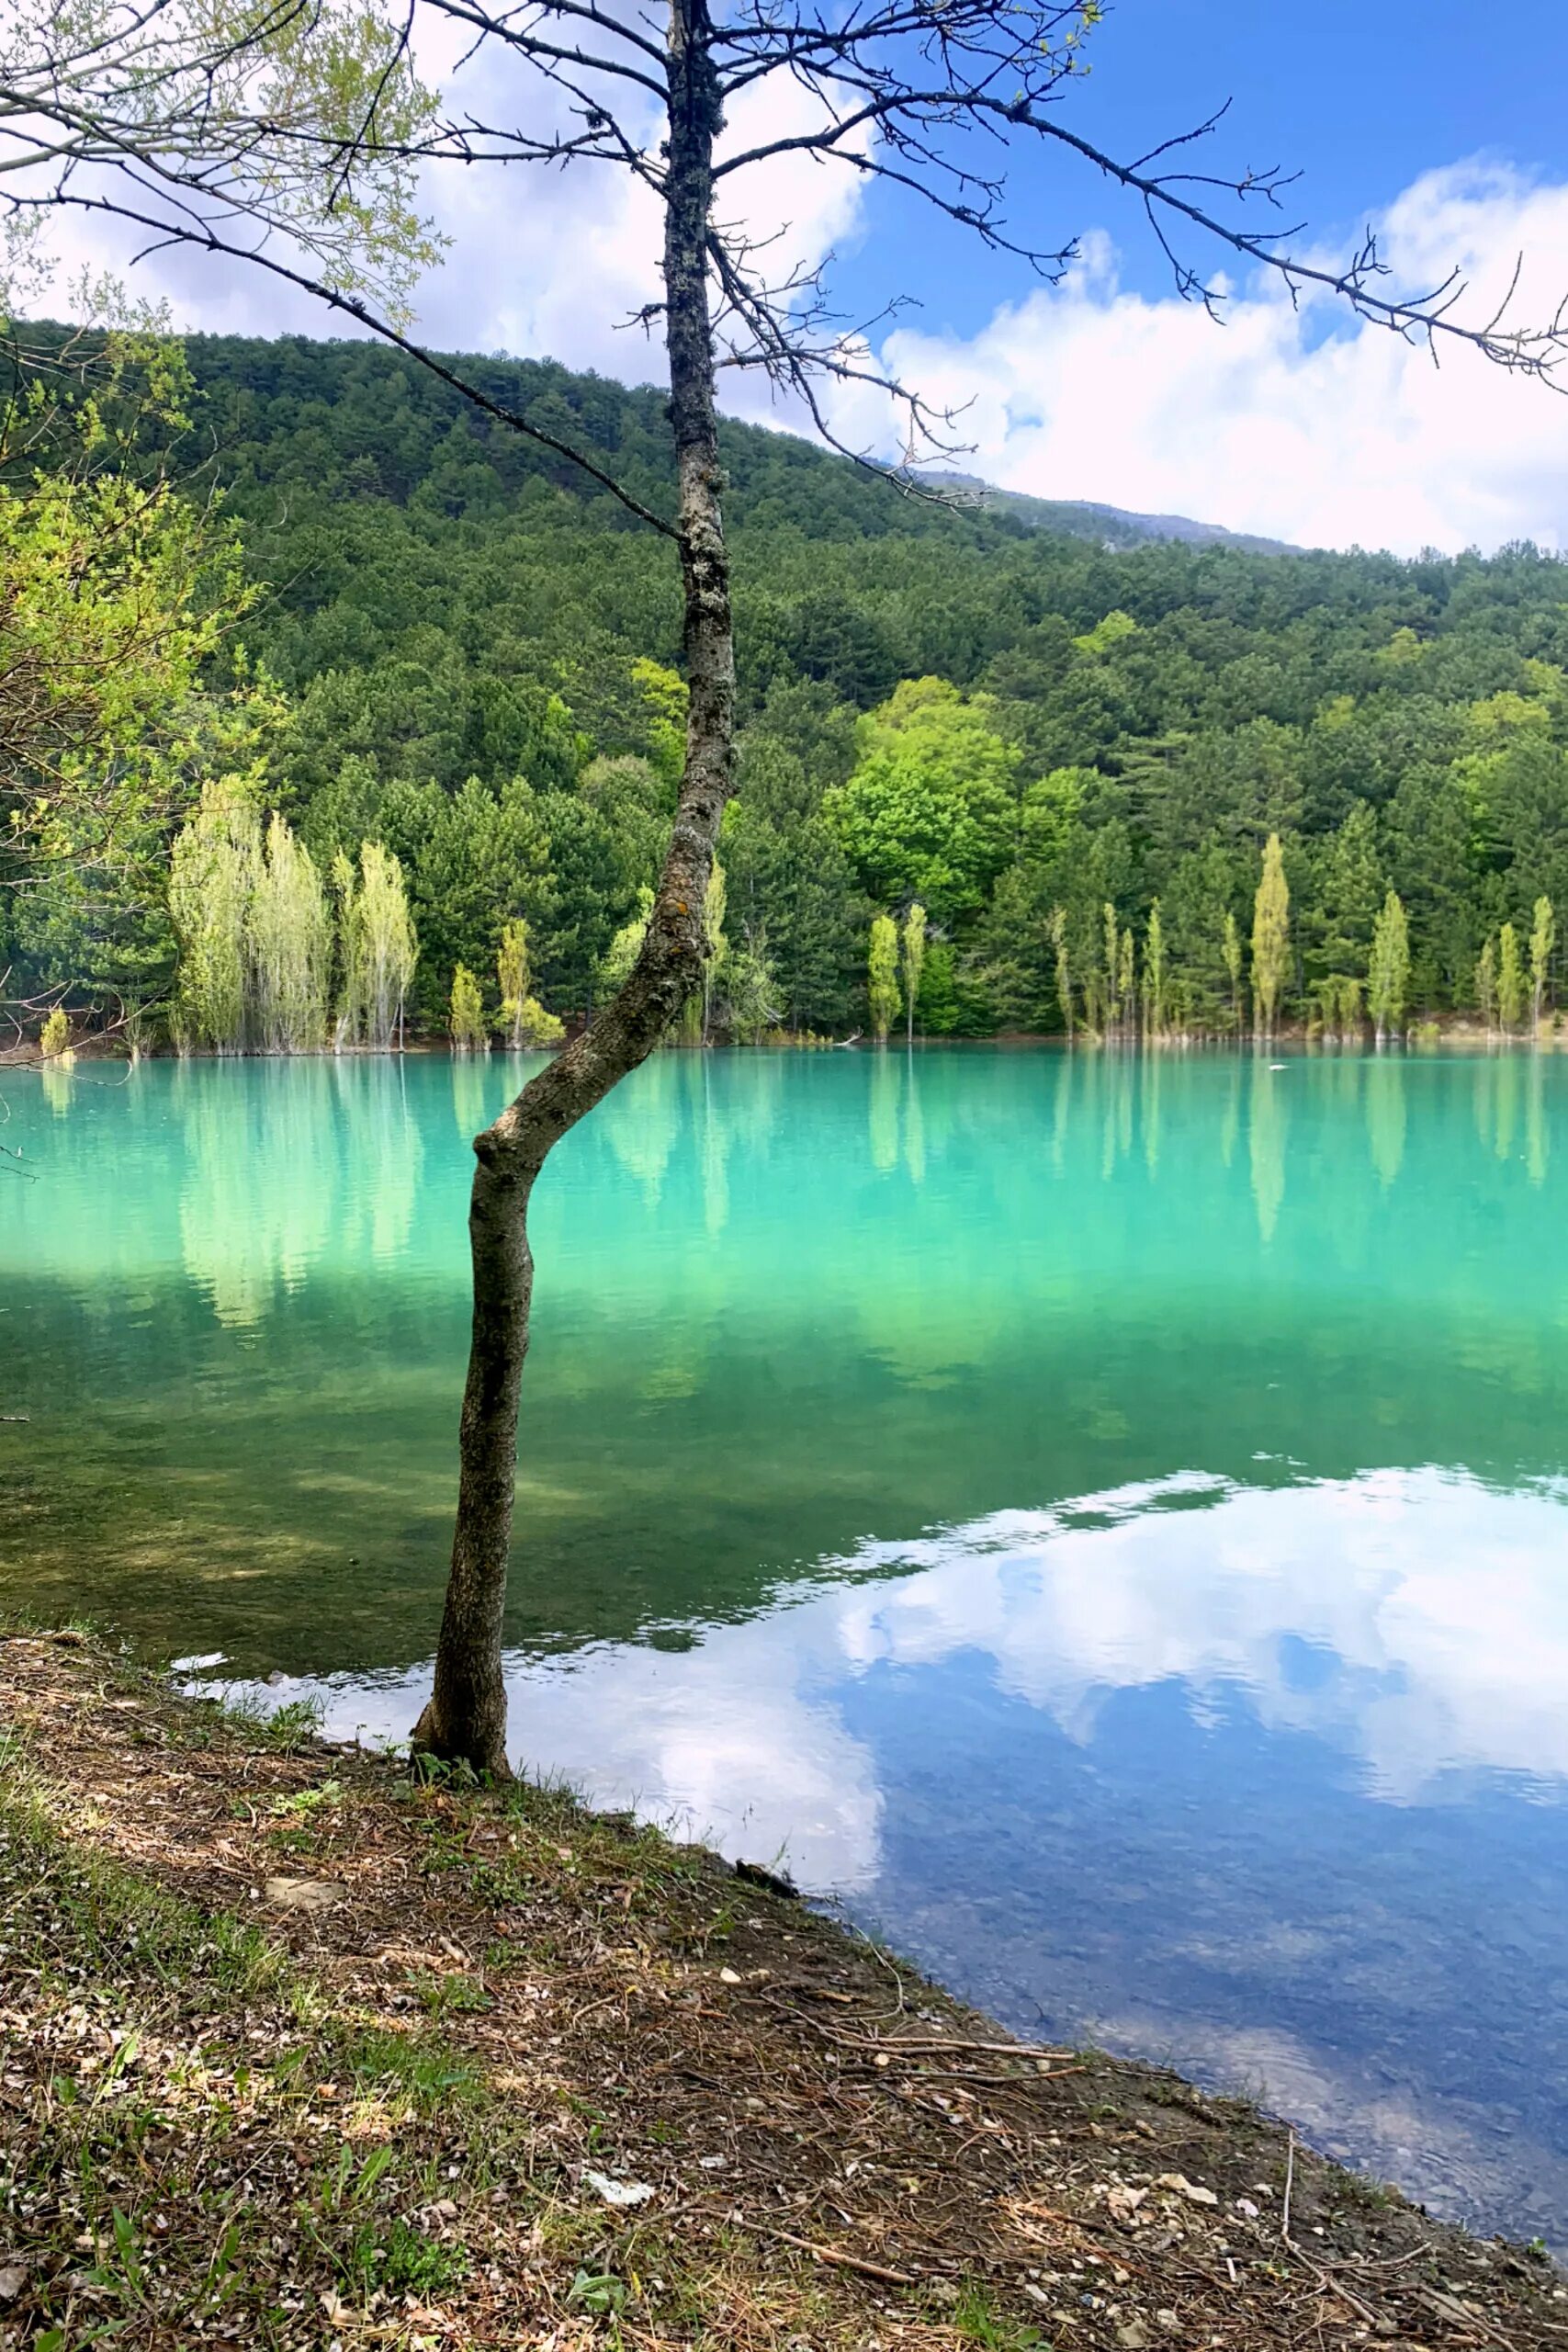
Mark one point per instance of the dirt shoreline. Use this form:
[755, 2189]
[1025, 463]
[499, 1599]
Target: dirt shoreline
[296, 2052]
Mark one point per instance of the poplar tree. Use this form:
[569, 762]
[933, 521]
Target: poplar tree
[1543, 939]
[379, 947]
[290, 937]
[513, 974]
[914, 946]
[1153, 975]
[1388, 974]
[213, 867]
[466, 1020]
[1057, 927]
[1510, 979]
[389, 947]
[1486, 983]
[1127, 983]
[1270, 937]
[881, 977]
[1230, 947]
[716, 906]
[1112, 969]
[524, 1019]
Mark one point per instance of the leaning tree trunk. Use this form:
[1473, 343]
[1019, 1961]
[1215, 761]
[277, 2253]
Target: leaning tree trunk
[465, 1719]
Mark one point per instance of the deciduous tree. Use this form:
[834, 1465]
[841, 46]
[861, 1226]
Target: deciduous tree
[881, 977]
[290, 140]
[1270, 937]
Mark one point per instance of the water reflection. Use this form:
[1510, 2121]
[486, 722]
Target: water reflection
[1187, 1768]
[1255, 1758]
[309, 1154]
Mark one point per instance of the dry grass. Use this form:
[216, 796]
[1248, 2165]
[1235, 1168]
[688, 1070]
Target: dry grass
[389, 2118]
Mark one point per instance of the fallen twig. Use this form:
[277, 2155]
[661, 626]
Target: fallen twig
[840, 2261]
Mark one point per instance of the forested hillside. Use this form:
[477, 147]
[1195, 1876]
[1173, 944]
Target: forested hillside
[1071, 758]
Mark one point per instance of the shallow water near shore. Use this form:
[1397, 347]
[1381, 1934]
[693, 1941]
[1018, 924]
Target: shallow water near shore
[1103, 1519]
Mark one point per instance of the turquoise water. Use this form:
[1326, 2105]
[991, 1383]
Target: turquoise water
[1103, 1520]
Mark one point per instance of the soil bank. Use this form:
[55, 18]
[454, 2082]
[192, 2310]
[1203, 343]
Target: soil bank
[299, 2051]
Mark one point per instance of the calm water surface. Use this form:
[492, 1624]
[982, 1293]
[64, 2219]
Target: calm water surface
[1104, 1521]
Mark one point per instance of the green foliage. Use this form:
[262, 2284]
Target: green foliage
[1389, 975]
[54, 1037]
[1510, 979]
[1271, 935]
[466, 1018]
[1543, 939]
[476, 674]
[930, 808]
[881, 977]
[524, 1020]
[913, 945]
[380, 949]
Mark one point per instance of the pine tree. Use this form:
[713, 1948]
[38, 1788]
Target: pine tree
[1543, 939]
[1388, 975]
[1270, 937]
[881, 977]
[913, 942]
[1510, 979]
[467, 1020]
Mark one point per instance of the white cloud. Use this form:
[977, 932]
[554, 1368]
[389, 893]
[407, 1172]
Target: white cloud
[1304, 425]
[1437, 1657]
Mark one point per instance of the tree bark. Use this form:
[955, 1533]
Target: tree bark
[465, 1719]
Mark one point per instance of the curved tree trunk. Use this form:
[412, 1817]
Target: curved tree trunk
[465, 1719]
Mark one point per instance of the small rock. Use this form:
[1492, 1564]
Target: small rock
[1194, 2191]
[1134, 2335]
[727, 1976]
[1245, 2205]
[13, 2279]
[303, 1894]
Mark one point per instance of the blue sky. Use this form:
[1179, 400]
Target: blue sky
[1361, 102]
[1312, 426]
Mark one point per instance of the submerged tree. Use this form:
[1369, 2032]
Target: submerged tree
[1057, 927]
[912, 940]
[213, 868]
[1543, 939]
[466, 1019]
[1270, 937]
[524, 1020]
[290, 937]
[1154, 976]
[1510, 979]
[1388, 975]
[881, 977]
[1230, 947]
[380, 950]
[1486, 984]
[291, 141]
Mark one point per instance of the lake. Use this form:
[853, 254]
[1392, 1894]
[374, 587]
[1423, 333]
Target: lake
[1101, 1519]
